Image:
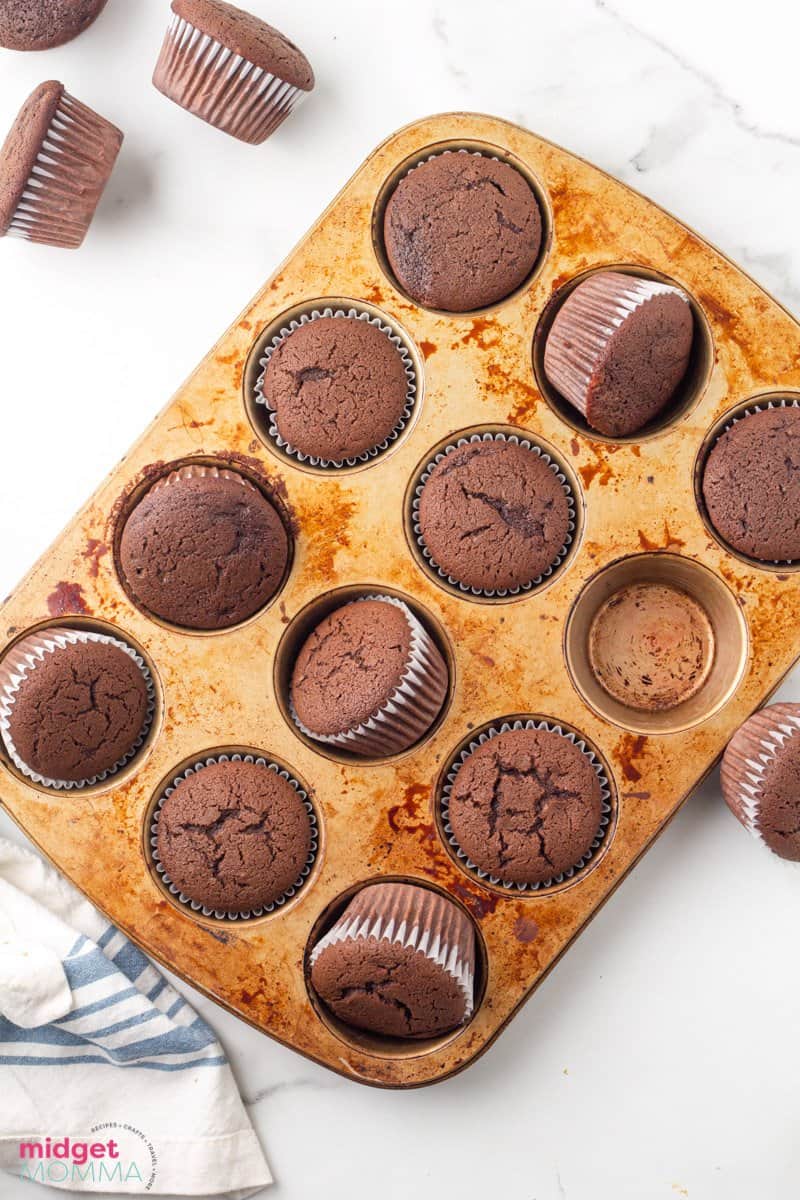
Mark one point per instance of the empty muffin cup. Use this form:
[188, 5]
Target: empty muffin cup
[75, 706]
[761, 778]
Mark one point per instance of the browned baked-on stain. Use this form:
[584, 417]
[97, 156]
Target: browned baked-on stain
[600, 469]
[526, 930]
[235, 360]
[284, 615]
[575, 447]
[94, 551]
[325, 522]
[413, 796]
[628, 750]
[483, 332]
[670, 540]
[636, 795]
[67, 600]
[524, 395]
[480, 905]
[245, 324]
[374, 294]
[427, 348]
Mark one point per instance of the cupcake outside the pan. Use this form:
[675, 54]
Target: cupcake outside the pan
[43, 24]
[54, 165]
[231, 69]
[761, 778]
[618, 349]
[399, 962]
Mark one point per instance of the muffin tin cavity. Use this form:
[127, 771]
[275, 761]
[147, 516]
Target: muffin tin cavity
[608, 807]
[184, 771]
[261, 414]
[485, 150]
[307, 620]
[474, 437]
[763, 402]
[688, 392]
[722, 675]
[377, 1045]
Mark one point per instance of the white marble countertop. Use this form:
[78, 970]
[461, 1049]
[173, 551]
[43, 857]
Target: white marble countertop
[659, 1059]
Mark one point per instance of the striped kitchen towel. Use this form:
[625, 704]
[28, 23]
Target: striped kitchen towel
[109, 1082]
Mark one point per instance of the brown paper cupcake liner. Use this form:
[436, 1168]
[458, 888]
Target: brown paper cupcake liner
[432, 925]
[221, 87]
[751, 751]
[22, 660]
[605, 794]
[245, 914]
[412, 707]
[577, 343]
[352, 313]
[490, 593]
[68, 177]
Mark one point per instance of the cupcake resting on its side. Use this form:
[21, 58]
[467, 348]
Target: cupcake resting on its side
[761, 778]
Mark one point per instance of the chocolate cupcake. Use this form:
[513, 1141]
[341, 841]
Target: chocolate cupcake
[618, 349]
[234, 836]
[751, 484]
[54, 165]
[230, 69]
[338, 387]
[651, 646]
[462, 231]
[399, 962]
[761, 778]
[75, 706]
[526, 805]
[369, 679]
[42, 24]
[494, 515]
[203, 549]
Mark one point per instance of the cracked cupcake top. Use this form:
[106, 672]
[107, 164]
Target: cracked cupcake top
[493, 515]
[462, 231]
[526, 806]
[234, 836]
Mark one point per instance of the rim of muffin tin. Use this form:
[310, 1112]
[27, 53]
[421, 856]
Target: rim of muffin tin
[690, 390]
[480, 149]
[261, 415]
[760, 402]
[379, 1045]
[193, 908]
[517, 437]
[100, 631]
[609, 806]
[147, 479]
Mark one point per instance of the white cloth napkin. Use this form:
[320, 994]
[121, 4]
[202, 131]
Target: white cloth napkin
[98, 1050]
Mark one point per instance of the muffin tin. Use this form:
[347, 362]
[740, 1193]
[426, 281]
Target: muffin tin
[511, 658]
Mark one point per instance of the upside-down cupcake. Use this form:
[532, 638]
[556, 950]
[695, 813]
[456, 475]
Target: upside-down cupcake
[369, 679]
[75, 706]
[54, 166]
[761, 778]
[618, 349]
[399, 962]
[43, 24]
[231, 69]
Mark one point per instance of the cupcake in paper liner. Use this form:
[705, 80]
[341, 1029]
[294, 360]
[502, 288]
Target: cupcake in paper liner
[338, 387]
[751, 482]
[493, 515]
[75, 706]
[399, 962]
[368, 679]
[234, 836]
[761, 778]
[231, 69]
[526, 805]
[618, 349]
[54, 165]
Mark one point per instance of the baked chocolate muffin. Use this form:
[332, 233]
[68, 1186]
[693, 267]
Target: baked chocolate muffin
[337, 388]
[369, 679]
[751, 485]
[493, 516]
[462, 231]
[203, 549]
[42, 24]
[526, 806]
[761, 778]
[399, 962]
[73, 706]
[618, 349]
[651, 646]
[234, 836]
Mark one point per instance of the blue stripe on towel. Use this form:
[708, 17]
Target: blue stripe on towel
[154, 1065]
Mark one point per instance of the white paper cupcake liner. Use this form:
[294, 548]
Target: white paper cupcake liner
[351, 313]
[25, 662]
[527, 444]
[563, 876]
[245, 914]
[221, 87]
[745, 765]
[412, 707]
